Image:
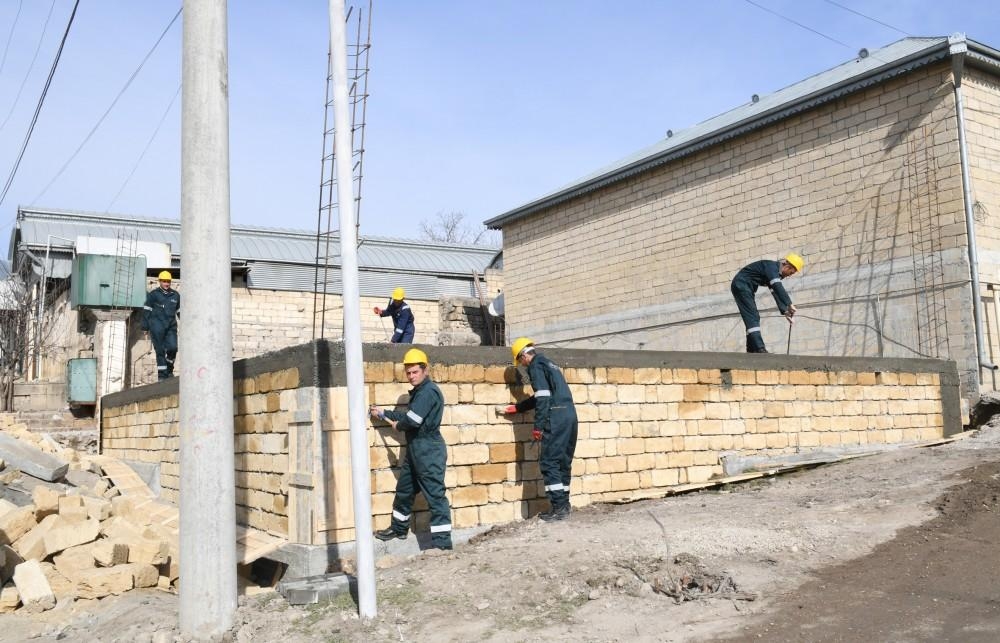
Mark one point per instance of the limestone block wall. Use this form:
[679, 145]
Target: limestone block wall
[648, 421]
[142, 425]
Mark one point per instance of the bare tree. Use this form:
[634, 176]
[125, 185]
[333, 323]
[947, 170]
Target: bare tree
[450, 227]
[23, 334]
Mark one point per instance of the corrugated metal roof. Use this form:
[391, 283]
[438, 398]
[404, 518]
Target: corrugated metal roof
[899, 57]
[36, 226]
[278, 259]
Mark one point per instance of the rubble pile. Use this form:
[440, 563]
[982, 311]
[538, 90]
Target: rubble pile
[66, 530]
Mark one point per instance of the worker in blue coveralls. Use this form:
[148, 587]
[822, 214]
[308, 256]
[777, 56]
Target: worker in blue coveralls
[159, 318]
[766, 272]
[426, 454]
[402, 317]
[555, 424]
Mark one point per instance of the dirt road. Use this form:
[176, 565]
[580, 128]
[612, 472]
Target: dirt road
[796, 557]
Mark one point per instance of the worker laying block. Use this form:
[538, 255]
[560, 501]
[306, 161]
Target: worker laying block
[766, 272]
[402, 317]
[426, 454]
[555, 424]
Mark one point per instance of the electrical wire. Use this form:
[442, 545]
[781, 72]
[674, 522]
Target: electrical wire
[866, 17]
[10, 35]
[31, 66]
[145, 149]
[125, 87]
[41, 101]
[800, 25]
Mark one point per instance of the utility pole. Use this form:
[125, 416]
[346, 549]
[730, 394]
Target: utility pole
[360, 463]
[207, 481]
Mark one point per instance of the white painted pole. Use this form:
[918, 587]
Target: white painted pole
[207, 482]
[356, 406]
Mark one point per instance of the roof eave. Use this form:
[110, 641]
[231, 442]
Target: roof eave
[931, 54]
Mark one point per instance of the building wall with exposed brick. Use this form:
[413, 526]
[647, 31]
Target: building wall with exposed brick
[867, 187]
[649, 422]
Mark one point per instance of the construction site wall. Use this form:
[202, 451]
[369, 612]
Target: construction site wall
[867, 188]
[649, 421]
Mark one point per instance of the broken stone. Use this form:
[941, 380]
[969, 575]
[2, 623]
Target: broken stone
[69, 533]
[46, 501]
[72, 509]
[36, 594]
[31, 460]
[10, 560]
[99, 582]
[16, 523]
[9, 598]
[75, 561]
[32, 544]
[62, 587]
[143, 574]
[97, 508]
[108, 553]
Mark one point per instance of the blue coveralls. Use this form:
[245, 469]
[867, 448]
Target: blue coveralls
[423, 467]
[555, 417]
[159, 317]
[402, 320]
[765, 272]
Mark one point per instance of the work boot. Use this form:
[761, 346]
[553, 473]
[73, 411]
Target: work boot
[389, 533]
[558, 512]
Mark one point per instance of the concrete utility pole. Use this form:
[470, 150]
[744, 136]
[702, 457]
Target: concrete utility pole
[356, 406]
[208, 485]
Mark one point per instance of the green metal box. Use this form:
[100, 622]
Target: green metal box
[107, 281]
[81, 380]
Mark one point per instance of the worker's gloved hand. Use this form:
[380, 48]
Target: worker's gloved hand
[536, 435]
[378, 311]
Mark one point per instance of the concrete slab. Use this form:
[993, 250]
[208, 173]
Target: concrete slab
[31, 460]
[313, 589]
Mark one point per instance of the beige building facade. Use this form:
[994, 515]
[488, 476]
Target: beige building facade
[859, 169]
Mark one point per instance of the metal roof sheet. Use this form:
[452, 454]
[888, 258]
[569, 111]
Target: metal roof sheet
[38, 227]
[891, 60]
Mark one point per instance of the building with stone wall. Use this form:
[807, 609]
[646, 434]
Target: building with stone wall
[884, 173]
[278, 295]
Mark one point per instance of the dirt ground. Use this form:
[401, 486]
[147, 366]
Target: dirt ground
[896, 546]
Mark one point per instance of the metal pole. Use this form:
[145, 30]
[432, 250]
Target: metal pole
[207, 471]
[356, 404]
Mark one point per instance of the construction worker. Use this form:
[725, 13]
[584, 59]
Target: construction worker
[555, 424]
[402, 317]
[766, 272]
[159, 319]
[426, 454]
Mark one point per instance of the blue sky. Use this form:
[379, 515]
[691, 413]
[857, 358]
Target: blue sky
[475, 107]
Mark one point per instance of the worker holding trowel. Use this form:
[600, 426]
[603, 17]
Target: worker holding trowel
[426, 454]
[766, 272]
[555, 424]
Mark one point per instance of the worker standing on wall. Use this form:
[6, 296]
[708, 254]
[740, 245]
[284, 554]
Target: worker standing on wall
[159, 318]
[402, 317]
[426, 454]
[555, 424]
[766, 272]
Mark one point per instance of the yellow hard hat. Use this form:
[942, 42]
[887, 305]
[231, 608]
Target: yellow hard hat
[795, 260]
[415, 356]
[399, 294]
[519, 345]
[165, 276]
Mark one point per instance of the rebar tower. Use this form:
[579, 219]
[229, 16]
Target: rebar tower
[358, 17]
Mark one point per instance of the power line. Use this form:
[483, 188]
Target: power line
[867, 17]
[10, 36]
[799, 24]
[24, 80]
[38, 108]
[145, 149]
[93, 130]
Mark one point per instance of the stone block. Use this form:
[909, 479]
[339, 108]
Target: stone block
[469, 496]
[32, 544]
[103, 581]
[31, 460]
[62, 587]
[70, 533]
[9, 559]
[34, 589]
[46, 501]
[97, 508]
[143, 574]
[15, 523]
[71, 508]
[489, 473]
[9, 598]
[108, 552]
